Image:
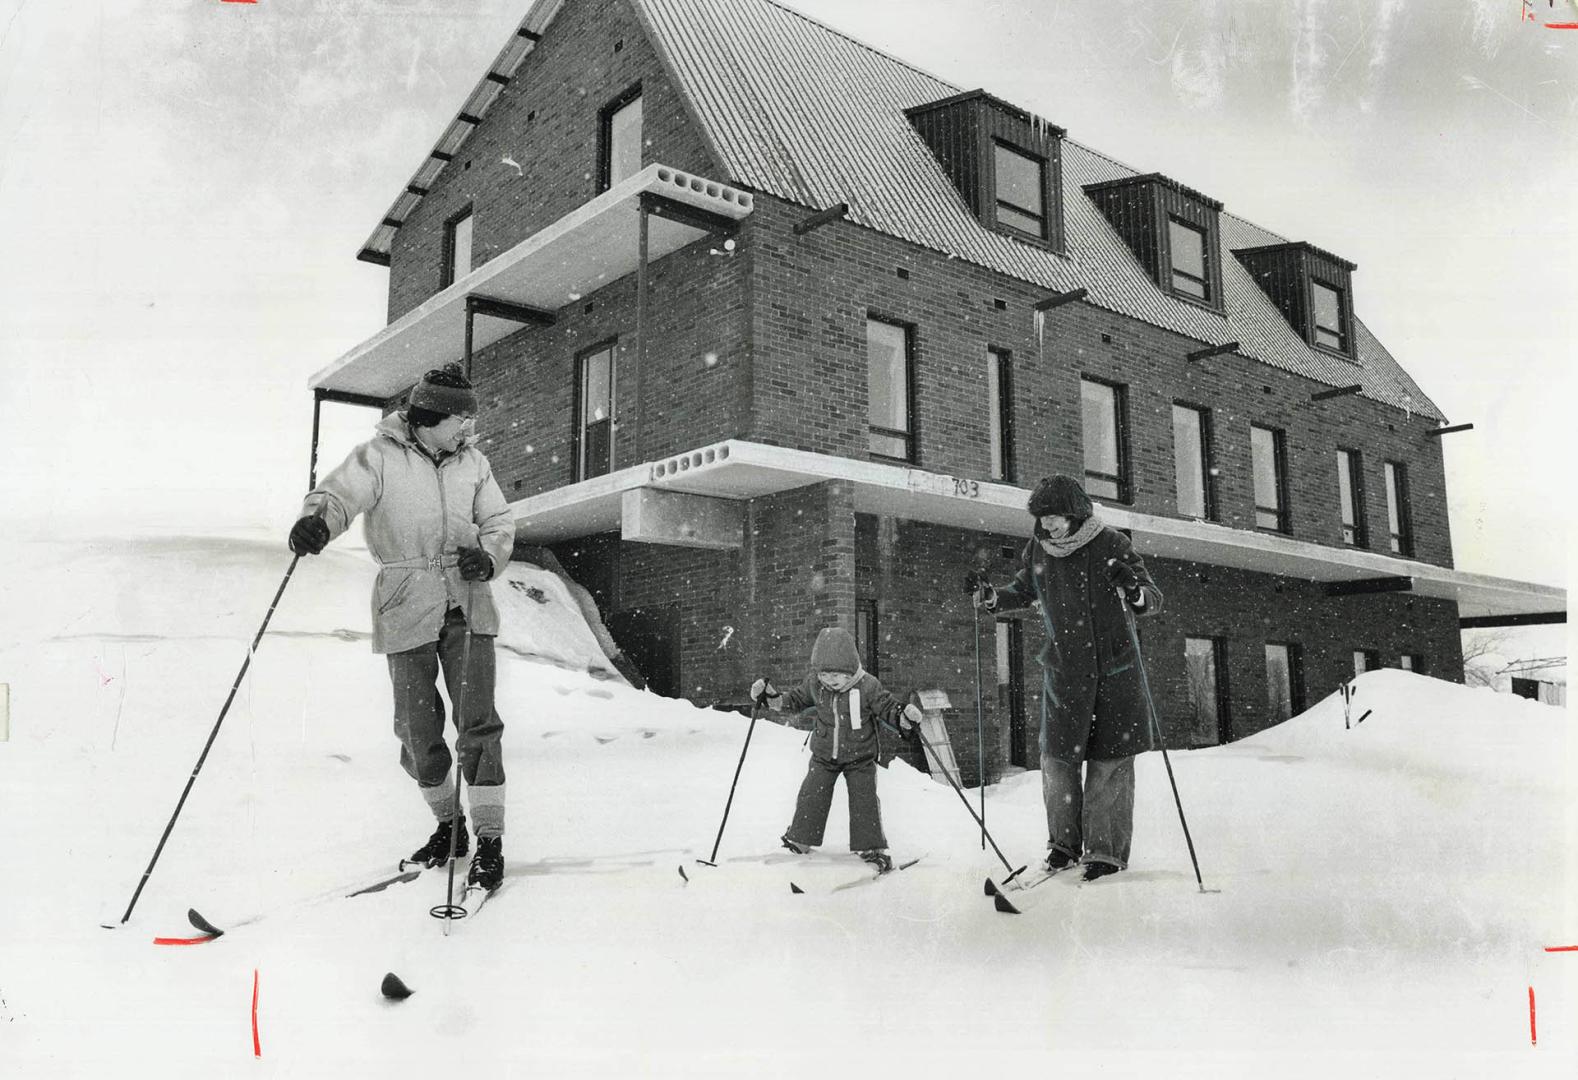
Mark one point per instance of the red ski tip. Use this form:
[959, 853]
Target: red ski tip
[393, 989]
[204, 940]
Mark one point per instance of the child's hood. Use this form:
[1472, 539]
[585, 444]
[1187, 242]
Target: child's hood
[835, 651]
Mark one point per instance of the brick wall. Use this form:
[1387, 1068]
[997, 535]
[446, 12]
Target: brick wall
[799, 574]
[547, 120]
[692, 393]
[812, 295]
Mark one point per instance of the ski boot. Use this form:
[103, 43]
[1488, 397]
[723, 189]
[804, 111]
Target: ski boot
[1057, 860]
[436, 851]
[879, 859]
[795, 846]
[487, 867]
[1096, 870]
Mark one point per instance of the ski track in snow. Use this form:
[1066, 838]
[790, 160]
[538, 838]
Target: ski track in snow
[1385, 893]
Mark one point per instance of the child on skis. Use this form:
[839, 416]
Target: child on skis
[850, 704]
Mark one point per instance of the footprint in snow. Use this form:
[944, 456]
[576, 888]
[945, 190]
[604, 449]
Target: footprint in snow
[599, 692]
[603, 740]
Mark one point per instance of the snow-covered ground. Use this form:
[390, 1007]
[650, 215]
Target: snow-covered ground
[1379, 900]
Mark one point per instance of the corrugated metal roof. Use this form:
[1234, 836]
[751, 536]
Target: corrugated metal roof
[798, 110]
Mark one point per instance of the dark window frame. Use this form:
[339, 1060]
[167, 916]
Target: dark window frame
[1361, 530]
[1044, 168]
[1207, 457]
[1204, 281]
[1279, 447]
[1400, 542]
[1372, 659]
[447, 271]
[911, 442]
[577, 417]
[1418, 660]
[869, 654]
[1343, 347]
[1120, 409]
[605, 133]
[1224, 713]
[1296, 698]
[1005, 469]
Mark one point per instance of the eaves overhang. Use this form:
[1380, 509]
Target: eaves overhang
[737, 469]
[591, 246]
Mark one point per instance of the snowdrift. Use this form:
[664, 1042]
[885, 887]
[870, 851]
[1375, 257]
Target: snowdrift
[1380, 897]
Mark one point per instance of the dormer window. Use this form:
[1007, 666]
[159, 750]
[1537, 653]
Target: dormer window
[1312, 288]
[1005, 163]
[1172, 231]
[1186, 244]
[1021, 181]
[1326, 305]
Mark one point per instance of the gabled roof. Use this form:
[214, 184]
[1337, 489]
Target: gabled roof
[798, 110]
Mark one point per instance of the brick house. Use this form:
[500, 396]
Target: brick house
[774, 331]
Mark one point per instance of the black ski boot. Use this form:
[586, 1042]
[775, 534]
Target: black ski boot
[487, 867]
[1097, 870]
[436, 851]
[1058, 860]
[879, 859]
[795, 846]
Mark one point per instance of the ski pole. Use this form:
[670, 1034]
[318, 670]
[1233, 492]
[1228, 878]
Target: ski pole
[962, 798]
[449, 910]
[756, 710]
[246, 663]
[980, 742]
[1150, 704]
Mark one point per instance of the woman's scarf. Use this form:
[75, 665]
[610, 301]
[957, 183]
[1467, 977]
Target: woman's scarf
[1063, 547]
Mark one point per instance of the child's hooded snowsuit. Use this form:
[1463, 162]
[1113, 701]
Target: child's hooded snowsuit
[845, 740]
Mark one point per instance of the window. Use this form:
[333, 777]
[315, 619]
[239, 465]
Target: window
[888, 364]
[1350, 488]
[1412, 662]
[866, 633]
[1284, 682]
[1192, 462]
[1106, 452]
[1011, 688]
[1204, 664]
[1187, 244]
[1326, 302]
[595, 426]
[1397, 517]
[1271, 478]
[1021, 191]
[457, 248]
[1365, 660]
[620, 139]
[1000, 407]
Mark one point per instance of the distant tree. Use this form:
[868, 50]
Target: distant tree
[1484, 655]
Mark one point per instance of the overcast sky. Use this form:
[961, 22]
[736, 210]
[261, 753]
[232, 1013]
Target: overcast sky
[184, 185]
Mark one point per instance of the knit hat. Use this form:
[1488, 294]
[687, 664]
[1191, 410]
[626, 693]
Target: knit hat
[1060, 495]
[445, 391]
[835, 651]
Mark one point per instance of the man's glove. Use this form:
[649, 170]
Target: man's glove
[309, 535]
[912, 716]
[981, 592]
[761, 690]
[475, 564]
[1123, 576]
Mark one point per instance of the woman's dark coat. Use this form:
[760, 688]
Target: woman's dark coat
[1091, 702]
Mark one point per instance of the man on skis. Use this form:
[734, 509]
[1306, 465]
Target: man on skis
[1093, 711]
[440, 530]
